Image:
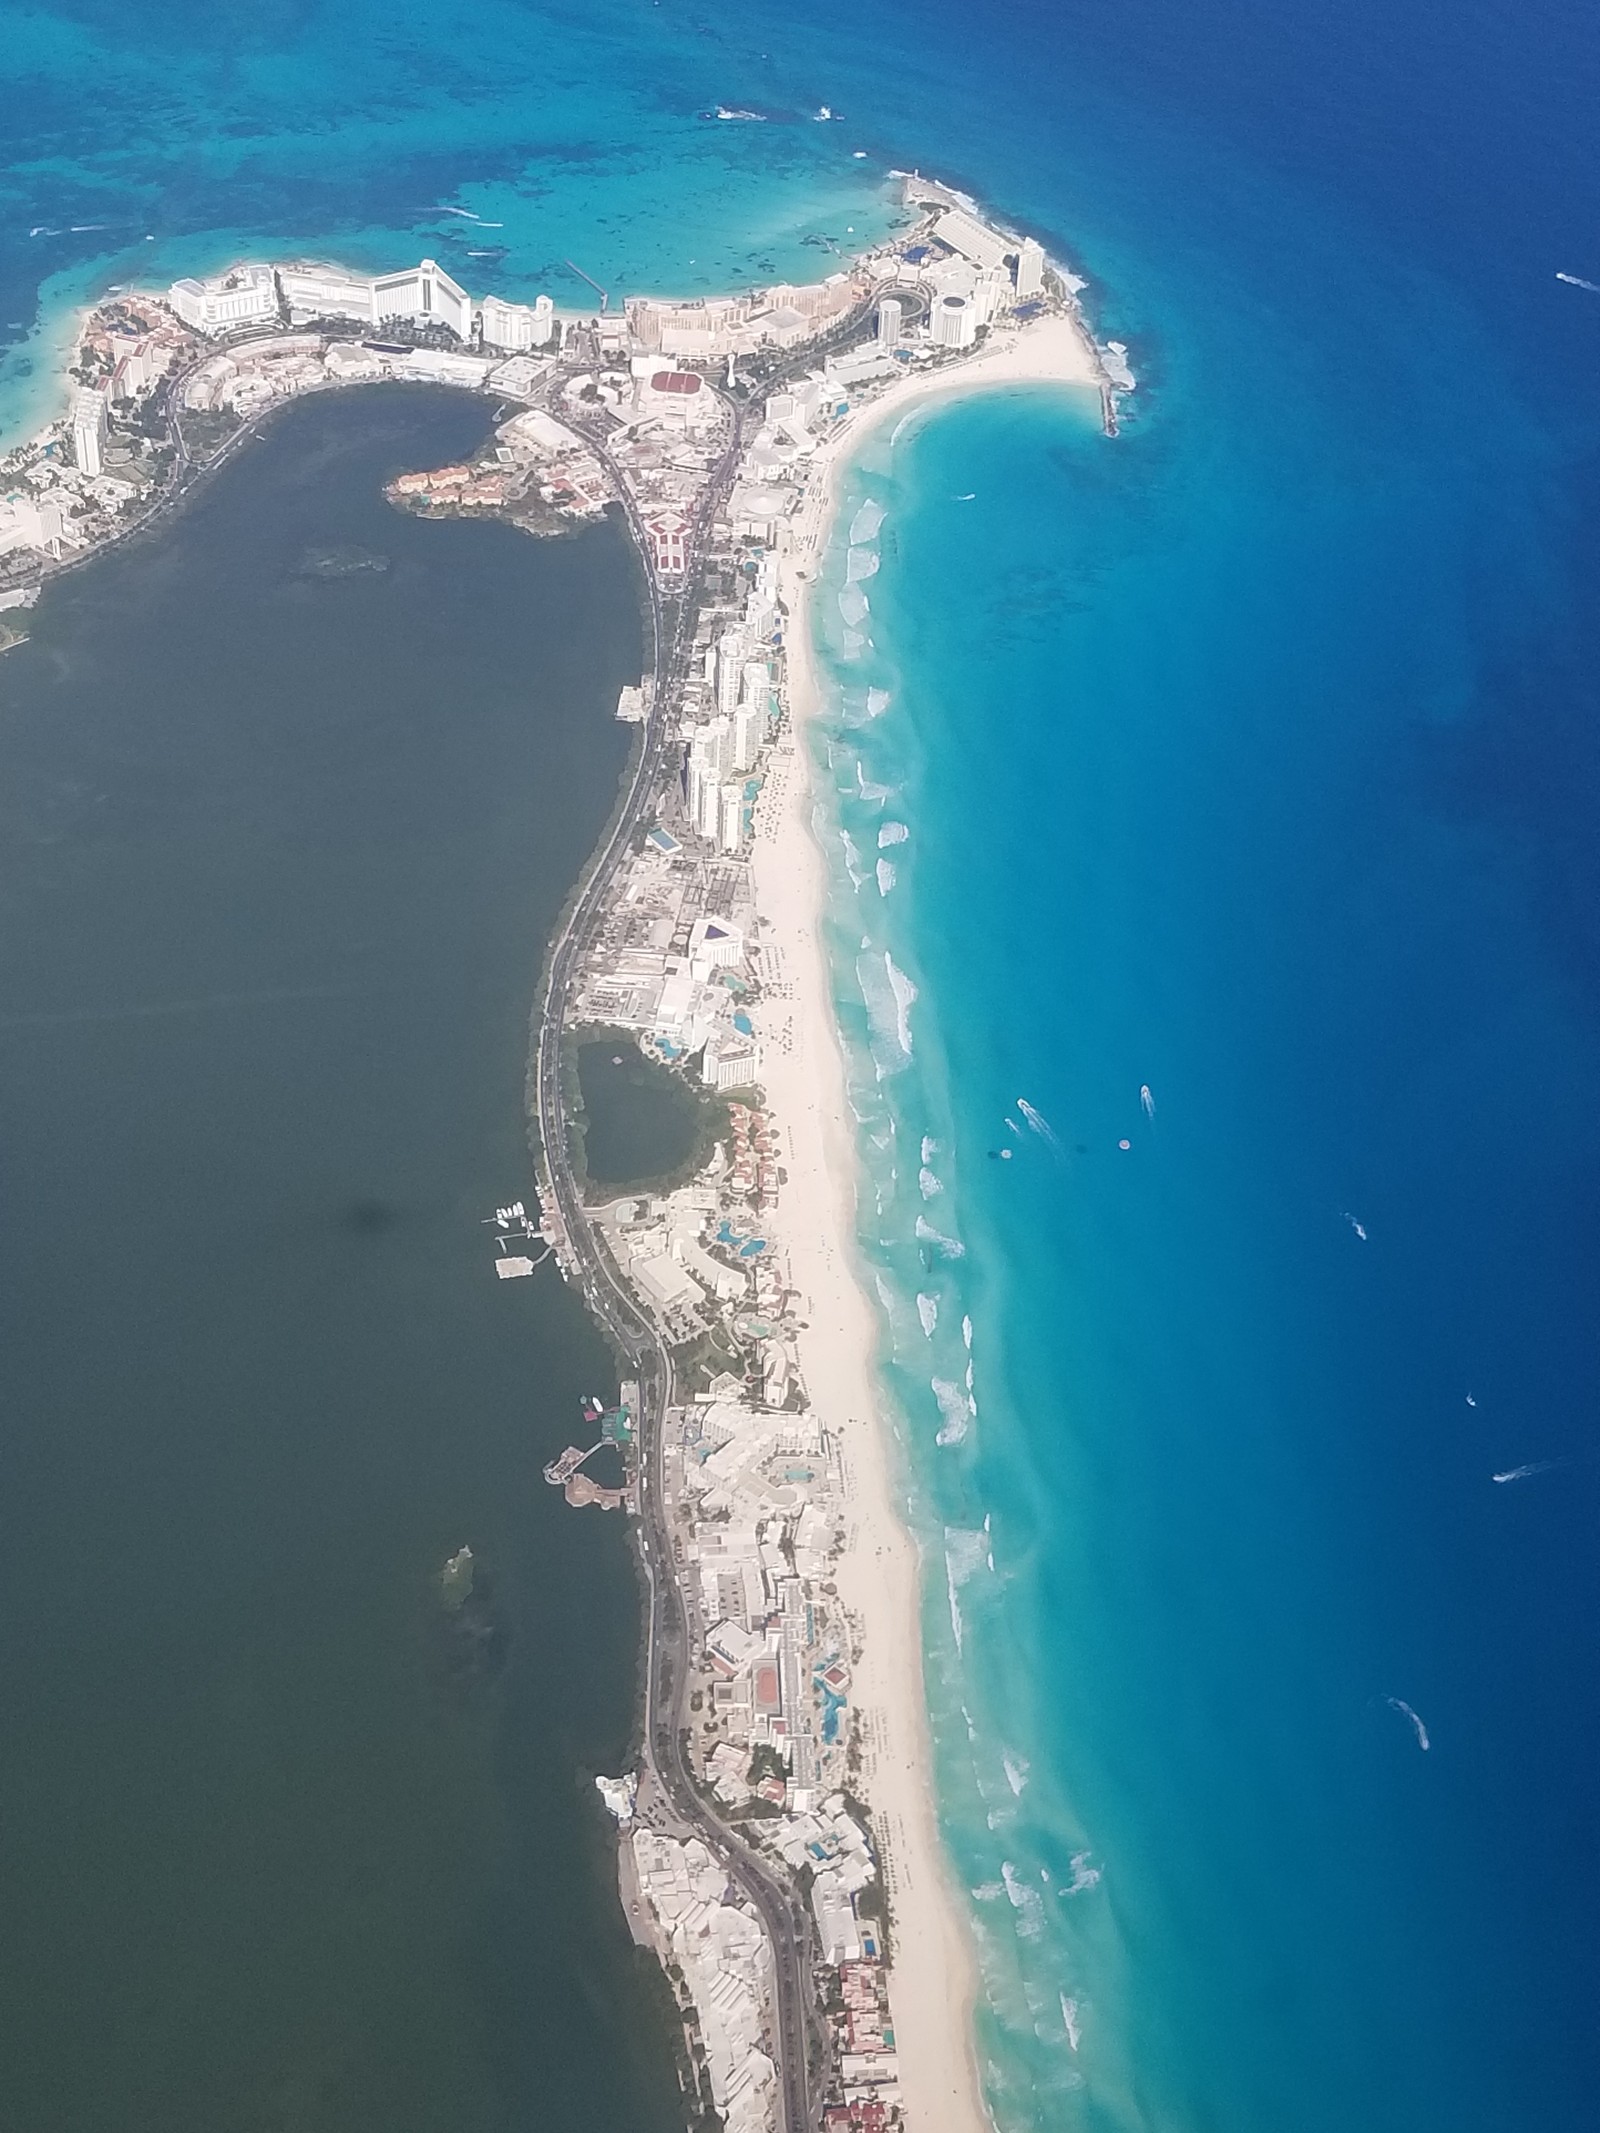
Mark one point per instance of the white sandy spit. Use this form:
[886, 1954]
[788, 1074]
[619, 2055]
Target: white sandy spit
[935, 1972]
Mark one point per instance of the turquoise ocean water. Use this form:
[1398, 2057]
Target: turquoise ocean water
[1251, 759]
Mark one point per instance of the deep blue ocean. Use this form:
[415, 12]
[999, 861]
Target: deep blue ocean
[1252, 759]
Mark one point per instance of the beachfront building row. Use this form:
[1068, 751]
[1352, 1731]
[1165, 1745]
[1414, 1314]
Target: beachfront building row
[753, 1477]
[423, 295]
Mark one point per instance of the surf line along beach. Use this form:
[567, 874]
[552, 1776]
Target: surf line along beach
[857, 1581]
[798, 1120]
[934, 1977]
[782, 1823]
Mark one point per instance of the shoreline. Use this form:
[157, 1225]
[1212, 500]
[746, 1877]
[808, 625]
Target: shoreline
[935, 1980]
[779, 1596]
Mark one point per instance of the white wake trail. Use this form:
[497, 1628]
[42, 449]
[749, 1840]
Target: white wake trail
[1537, 1466]
[1395, 1703]
[1041, 1125]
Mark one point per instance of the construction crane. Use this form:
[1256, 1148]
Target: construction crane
[589, 278]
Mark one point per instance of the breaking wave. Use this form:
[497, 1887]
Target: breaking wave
[889, 996]
[852, 858]
[965, 1554]
[1084, 1876]
[951, 1247]
[955, 1407]
[868, 522]
[1025, 1901]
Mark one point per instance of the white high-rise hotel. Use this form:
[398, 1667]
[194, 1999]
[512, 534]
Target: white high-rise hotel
[710, 762]
[88, 428]
[518, 326]
[955, 322]
[722, 752]
[423, 295]
[730, 670]
[246, 296]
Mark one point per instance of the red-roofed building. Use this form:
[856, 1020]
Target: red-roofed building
[669, 535]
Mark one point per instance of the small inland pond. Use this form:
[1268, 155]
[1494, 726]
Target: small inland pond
[642, 1123]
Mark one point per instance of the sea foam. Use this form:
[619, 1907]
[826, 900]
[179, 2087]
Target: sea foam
[953, 1407]
[950, 1247]
[889, 996]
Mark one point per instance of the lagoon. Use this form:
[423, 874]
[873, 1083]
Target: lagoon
[280, 850]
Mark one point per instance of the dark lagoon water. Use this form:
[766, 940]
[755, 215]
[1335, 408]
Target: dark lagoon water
[278, 856]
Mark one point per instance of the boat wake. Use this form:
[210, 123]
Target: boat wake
[1537, 1466]
[1576, 281]
[1395, 1703]
[1041, 1125]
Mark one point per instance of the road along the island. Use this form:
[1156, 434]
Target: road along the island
[798, 2041]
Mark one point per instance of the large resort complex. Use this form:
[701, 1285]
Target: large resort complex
[755, 1857]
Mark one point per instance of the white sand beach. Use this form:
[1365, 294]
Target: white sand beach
[934, 1978]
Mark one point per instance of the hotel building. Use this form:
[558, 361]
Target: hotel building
[244, 296]
[423, 295]
[88, 428]
[955, 322]
[518, 326]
